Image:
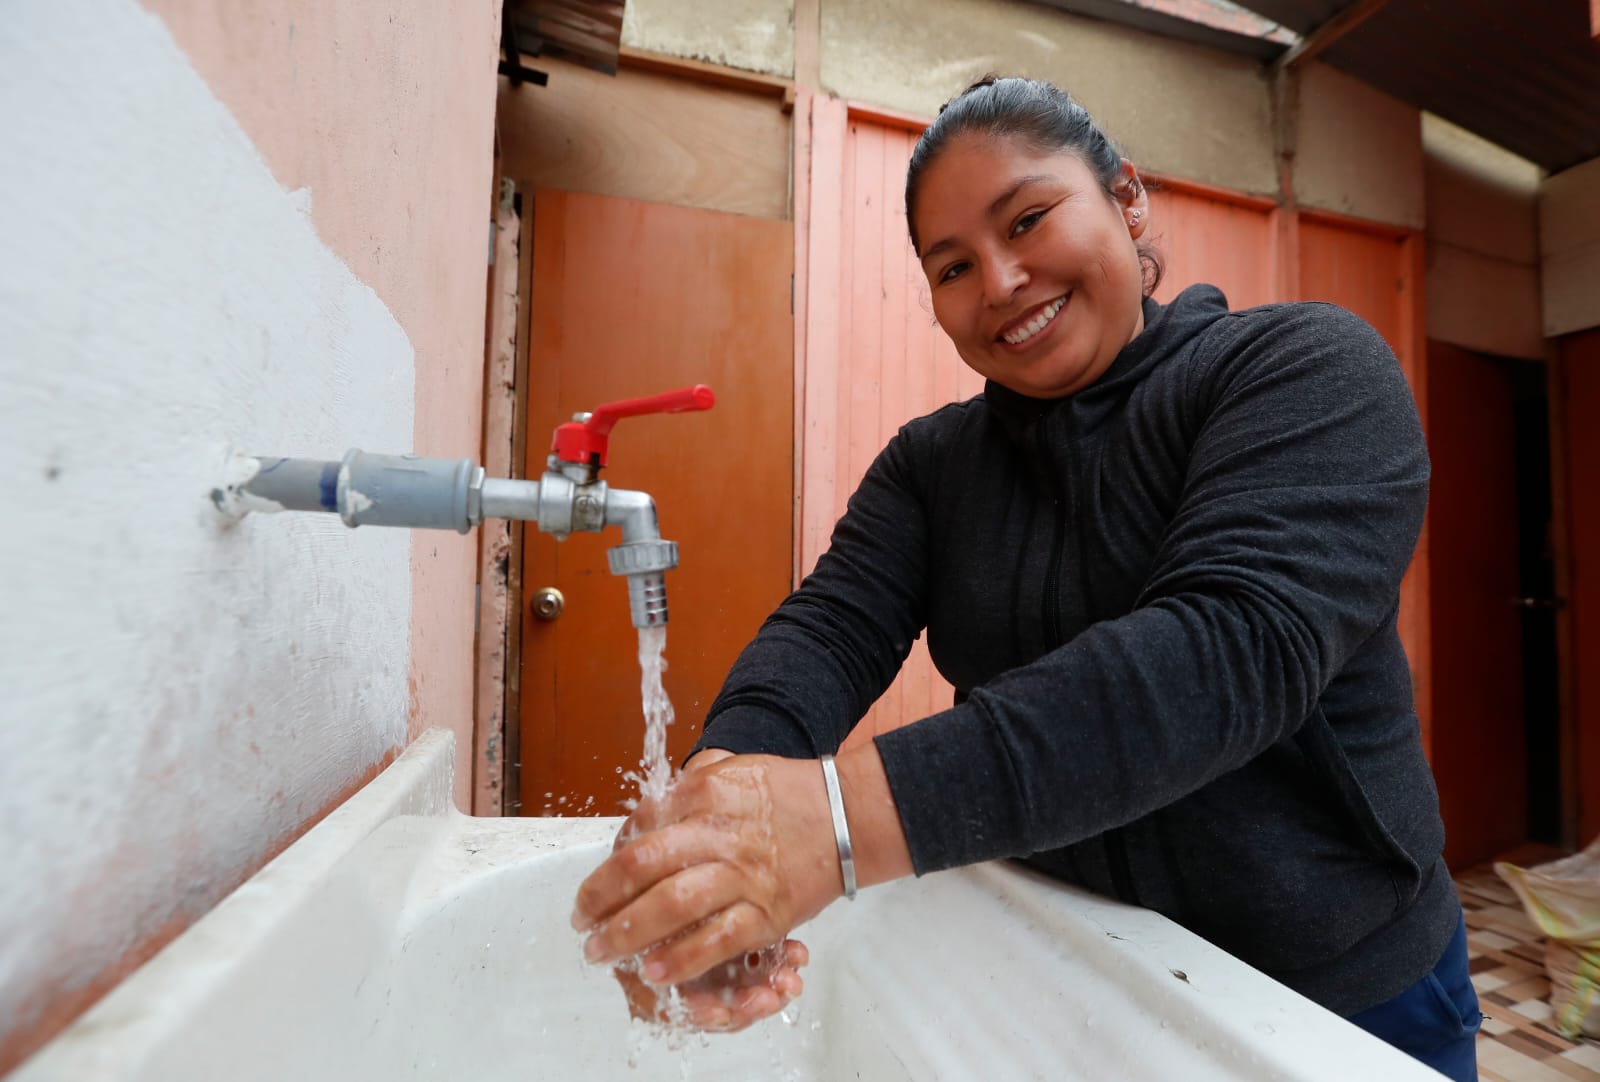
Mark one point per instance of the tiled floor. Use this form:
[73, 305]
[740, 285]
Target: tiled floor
[1507, 952]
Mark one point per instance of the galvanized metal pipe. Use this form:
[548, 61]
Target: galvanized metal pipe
[453, 494]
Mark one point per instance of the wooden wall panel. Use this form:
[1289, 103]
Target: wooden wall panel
[1375, 272]
[1222, 242]
[892, 362]
[648, 135]
[1360, 270]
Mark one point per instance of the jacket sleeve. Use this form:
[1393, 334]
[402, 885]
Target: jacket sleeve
[830, 649]
[1303, 500]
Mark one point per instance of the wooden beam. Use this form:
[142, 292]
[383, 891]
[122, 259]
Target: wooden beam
[1216, 193]
[700, 71]
[494, 536]
[888, 118]
[1331, 31]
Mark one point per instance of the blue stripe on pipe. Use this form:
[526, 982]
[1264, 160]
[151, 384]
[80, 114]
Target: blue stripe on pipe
[329, 486]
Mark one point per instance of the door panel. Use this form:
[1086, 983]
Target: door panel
[1580, 355]
[631, 298]
[1479, 736]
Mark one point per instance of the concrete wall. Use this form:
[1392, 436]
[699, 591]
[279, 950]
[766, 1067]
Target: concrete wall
[755, 35]
[1174, 107]
[184, 696]
[1569, 231]
[386, 114]
[1483, 244]
[1358, 151]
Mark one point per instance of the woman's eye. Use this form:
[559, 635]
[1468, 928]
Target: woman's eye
[952, 272]
[1026, 222]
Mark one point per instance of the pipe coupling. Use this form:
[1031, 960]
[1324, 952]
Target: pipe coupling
[642, 557]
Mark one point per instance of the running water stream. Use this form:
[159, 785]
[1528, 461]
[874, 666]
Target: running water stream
[657, 768]
[654, 782]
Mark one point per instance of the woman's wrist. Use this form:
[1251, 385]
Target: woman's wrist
[877, 838]
[705, 757]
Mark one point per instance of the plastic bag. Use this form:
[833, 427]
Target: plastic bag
[1563, 900]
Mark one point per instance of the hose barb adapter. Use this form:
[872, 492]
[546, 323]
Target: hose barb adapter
[645, 562]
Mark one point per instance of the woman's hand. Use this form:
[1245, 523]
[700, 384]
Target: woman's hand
[738, 852]
[732, 995]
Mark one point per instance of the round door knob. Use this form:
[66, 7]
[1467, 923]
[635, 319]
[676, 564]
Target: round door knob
[548, 602]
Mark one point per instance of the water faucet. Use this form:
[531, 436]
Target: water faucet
[453, 494]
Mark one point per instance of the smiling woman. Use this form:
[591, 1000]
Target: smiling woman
[1034, 276]
[1159, 559]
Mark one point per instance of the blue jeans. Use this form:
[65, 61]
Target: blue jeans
[1436, 1020]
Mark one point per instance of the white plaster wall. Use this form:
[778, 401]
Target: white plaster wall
[177, 696]
[1569, 229]
[755, 35]
[1176, 108]
[1358, 151]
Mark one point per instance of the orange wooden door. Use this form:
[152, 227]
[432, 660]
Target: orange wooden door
[1480, 745]
[627, 299]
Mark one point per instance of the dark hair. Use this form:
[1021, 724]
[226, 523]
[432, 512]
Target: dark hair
[1042, 115]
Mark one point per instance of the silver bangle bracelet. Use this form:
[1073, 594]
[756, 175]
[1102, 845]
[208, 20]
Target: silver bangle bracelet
[841, 825]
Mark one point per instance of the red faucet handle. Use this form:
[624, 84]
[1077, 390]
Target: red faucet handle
[588, 441]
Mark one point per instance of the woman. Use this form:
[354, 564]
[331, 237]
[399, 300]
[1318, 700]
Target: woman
[1159, 559]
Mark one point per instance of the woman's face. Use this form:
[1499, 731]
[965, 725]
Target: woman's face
[1032, 267]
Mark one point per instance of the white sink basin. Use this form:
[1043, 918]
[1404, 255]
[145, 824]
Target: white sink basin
[400, 939]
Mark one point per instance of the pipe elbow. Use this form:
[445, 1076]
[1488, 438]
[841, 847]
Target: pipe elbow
[635, 513]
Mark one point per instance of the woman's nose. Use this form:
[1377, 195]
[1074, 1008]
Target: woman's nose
[1002, 278]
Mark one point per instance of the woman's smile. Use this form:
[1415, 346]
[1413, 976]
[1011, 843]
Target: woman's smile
[1034, 326]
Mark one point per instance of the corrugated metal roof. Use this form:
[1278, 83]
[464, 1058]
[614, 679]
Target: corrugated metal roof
[1524, 74]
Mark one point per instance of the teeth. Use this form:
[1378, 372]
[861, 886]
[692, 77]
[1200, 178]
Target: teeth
[1037, 323]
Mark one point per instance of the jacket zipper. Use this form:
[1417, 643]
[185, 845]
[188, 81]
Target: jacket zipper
[1116, 846]
[1052, 578]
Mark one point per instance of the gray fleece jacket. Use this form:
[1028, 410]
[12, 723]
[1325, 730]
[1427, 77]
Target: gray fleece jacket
[1168, 606]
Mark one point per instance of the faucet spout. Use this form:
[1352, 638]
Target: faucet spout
[643, 556]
